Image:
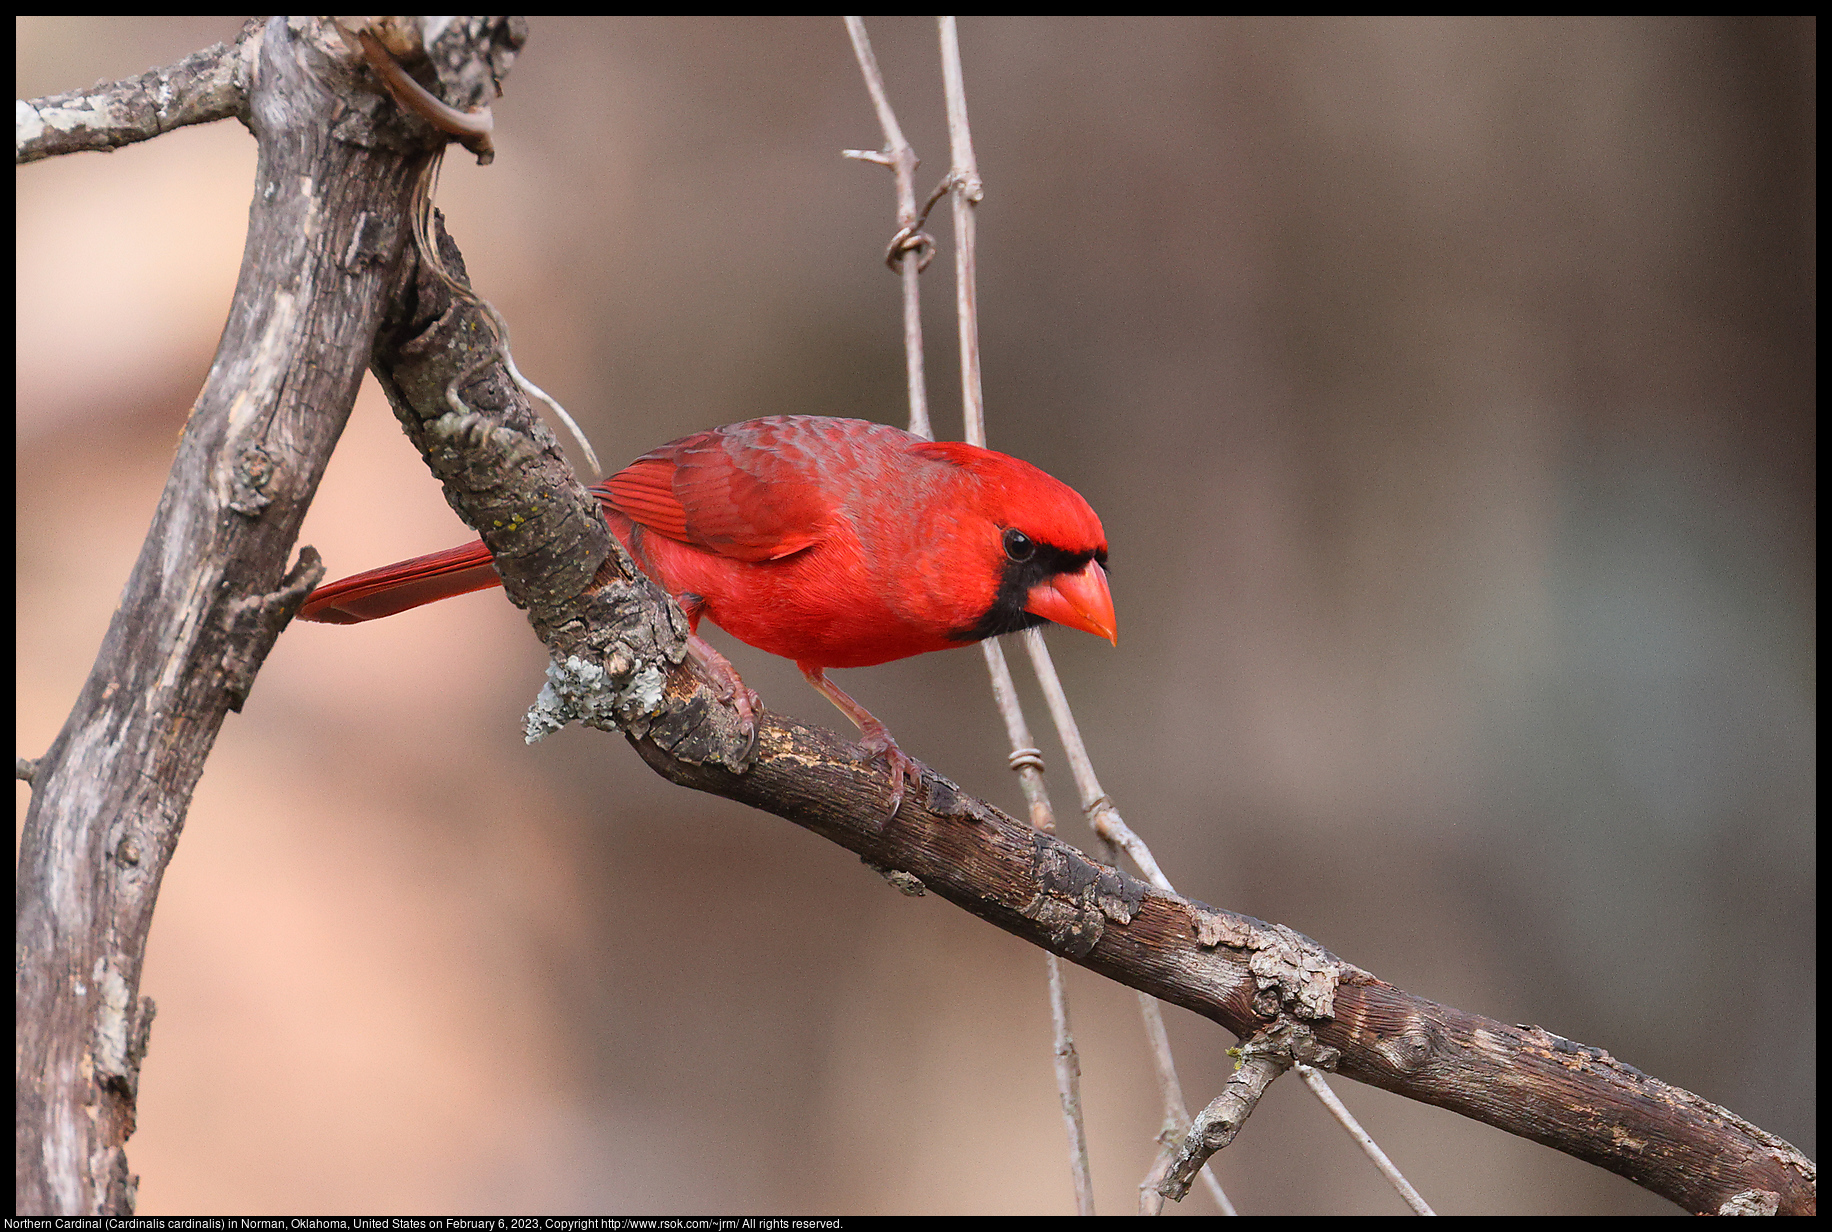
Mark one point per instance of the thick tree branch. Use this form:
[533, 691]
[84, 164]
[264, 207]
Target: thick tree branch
[338, 169]
[613, 634]
[1248, 976]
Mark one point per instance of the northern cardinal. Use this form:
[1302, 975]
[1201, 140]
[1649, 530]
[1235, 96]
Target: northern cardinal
[832, 542]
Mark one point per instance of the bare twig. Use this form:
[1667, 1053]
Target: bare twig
[1105, 817]
[910, 249]
[1176, 1116]
[1102, 814]
[1318, 1087]
[1028, 763]
[205, 86]
[967, 191]
[1026, 759]
[1068, 1089]
[1114, 831]
[964, 181]
[1215, 1126]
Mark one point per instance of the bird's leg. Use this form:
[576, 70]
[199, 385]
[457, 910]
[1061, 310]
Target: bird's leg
[719, 670]
[876, 736]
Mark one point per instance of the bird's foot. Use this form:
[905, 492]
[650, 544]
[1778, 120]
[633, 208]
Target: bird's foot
[729, 688]
[874, 737]
[905, 770]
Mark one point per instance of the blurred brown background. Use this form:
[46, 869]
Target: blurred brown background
[1447, 390]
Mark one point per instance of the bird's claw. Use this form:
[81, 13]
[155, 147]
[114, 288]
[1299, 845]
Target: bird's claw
[743, 699]
[905, 770]
[746, 702]
[730, 689]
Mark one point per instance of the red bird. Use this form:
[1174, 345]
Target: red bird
[832, 542]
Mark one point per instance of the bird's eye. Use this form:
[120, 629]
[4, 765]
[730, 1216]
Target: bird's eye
[1018, 545]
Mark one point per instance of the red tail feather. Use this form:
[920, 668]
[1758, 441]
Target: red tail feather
[395, 588]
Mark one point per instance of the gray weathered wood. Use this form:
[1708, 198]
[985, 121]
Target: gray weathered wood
[328, 230]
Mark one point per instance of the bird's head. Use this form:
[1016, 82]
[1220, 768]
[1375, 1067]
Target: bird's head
[1048, 544]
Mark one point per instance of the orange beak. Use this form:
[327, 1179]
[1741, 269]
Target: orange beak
[1078, 600]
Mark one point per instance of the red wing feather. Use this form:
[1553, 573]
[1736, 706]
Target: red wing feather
[736, 494]
[643, 491]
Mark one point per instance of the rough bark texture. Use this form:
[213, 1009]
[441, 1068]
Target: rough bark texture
[328, 228]
[615, 637]
[208, 85]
